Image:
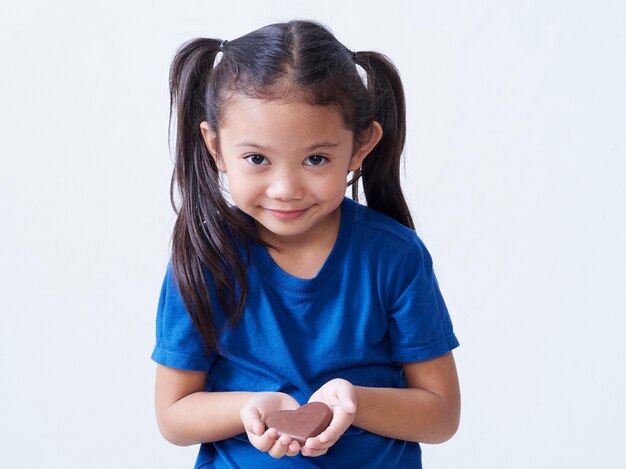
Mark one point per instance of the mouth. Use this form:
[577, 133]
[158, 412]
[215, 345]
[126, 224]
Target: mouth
[286, 214]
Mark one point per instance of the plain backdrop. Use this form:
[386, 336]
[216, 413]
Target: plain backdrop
[515, 168]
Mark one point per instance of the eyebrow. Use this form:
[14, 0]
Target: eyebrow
[315, 146]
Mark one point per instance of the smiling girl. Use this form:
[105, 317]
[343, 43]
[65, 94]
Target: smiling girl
[282, 291]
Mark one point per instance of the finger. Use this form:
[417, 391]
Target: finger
[251, 419]
[314, 447]
[338, 425]
[293, 449]
[253, 426]
[256, 427]
[280, 447]
[312, 453]
[314, 444]
[264, 442]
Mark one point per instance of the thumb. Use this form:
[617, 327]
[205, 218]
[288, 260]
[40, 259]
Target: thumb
[257, 427]
[251, 419]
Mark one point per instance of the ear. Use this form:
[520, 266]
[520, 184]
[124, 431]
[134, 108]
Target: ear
[361, 150]
[211, 141]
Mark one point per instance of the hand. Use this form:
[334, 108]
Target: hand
[253, 415]
[340, 396]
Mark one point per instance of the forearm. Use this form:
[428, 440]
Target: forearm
[410, 414]
[202, 417]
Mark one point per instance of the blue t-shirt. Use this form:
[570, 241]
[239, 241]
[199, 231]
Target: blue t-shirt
[374, 305]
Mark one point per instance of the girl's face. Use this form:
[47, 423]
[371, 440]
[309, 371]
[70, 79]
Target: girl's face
[287, 164]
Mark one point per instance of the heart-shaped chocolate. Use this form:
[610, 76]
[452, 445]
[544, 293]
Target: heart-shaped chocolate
[309, 420]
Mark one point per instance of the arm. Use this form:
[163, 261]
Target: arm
[427, 411]
[188, 415]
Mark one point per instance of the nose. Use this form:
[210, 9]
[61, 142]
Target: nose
[285, 185]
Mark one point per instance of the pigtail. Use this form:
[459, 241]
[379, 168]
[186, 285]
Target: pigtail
[207, 231]
[380, 171]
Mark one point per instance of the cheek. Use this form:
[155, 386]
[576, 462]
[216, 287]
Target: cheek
[240, 189]
[331, 188]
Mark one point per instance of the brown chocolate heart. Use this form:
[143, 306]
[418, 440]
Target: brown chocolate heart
[309, 420]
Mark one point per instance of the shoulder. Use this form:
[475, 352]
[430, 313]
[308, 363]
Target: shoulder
[396, 249]
[376, 227]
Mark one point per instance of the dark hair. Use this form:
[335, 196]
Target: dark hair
[297, 60]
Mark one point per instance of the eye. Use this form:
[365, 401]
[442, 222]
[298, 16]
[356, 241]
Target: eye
[257, 160]
[315, 160]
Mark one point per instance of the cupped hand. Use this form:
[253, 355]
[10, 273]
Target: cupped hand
[340, 396]
[253, 415]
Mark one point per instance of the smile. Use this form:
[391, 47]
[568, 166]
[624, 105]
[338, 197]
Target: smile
[286, 214]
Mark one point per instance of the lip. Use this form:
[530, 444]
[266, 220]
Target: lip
[286, 214]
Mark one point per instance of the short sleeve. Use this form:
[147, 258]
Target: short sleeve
[420, 327]
[178, 341]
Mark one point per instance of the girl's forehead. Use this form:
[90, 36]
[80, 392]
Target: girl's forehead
[240, 110]
[282, 125]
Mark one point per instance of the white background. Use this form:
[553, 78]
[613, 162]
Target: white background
[515, 168]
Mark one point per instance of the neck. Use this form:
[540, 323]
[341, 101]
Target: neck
[304, 255]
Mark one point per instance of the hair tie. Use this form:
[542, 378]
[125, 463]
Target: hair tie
[360, 70]
[221, 48]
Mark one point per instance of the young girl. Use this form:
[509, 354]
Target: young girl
[281, 291]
